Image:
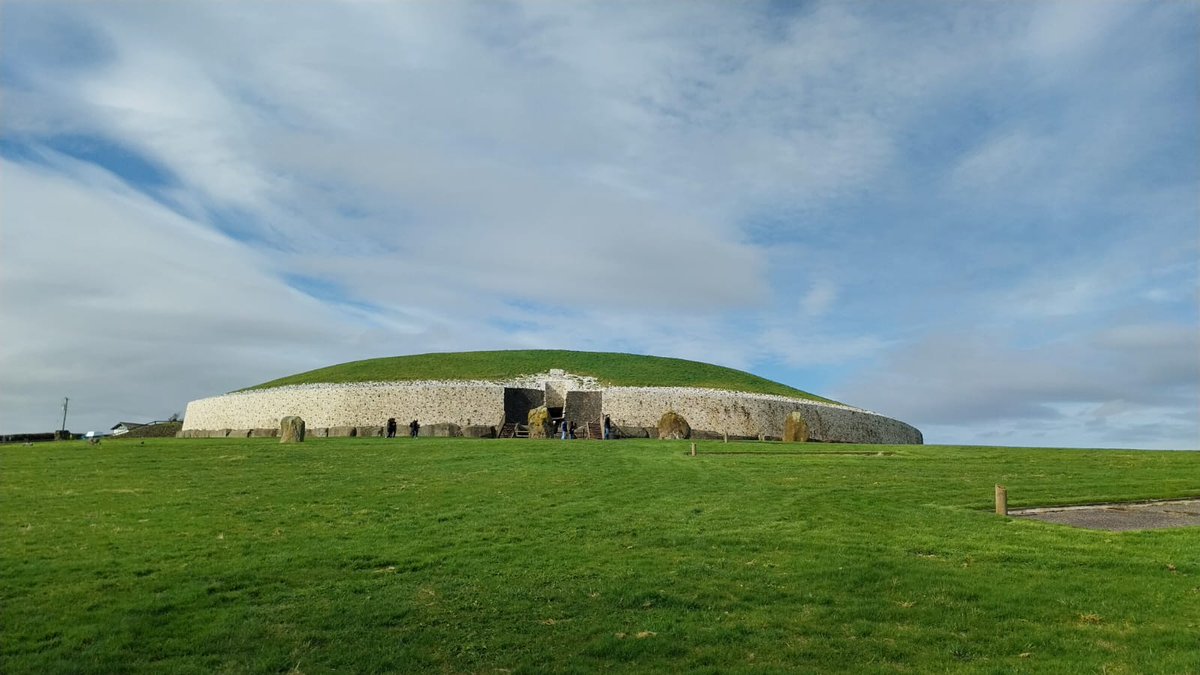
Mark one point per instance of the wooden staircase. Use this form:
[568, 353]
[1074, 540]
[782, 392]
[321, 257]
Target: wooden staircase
[595, 430]
[513, 430]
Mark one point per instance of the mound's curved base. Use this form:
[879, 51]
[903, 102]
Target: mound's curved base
[709, 412]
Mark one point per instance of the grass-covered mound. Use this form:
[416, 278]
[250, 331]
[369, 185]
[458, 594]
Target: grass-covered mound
[488, 556]
[628, 370]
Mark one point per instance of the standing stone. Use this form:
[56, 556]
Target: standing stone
[539, 422]
[795, 428]
[672, 425]
[291, 430]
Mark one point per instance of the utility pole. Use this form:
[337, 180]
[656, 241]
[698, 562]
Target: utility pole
[64, 424]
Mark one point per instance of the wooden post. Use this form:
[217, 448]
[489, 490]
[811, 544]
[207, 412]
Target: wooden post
[1001, 500]
[693, 449]
[725, 436]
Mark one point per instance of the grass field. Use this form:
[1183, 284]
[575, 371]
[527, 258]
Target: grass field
[460, 555]
[628, 370]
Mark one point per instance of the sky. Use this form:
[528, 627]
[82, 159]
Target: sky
[981, 218]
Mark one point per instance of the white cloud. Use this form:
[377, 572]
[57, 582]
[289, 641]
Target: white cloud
[820, 298]
[129, 309]
[461, 175]
[1098, 391]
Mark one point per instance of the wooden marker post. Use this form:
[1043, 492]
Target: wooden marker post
[1001, 500]
[693, 449]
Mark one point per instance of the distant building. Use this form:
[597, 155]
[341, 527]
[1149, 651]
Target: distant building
[125, 427]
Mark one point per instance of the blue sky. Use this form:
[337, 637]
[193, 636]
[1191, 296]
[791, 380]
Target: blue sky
[980, 218]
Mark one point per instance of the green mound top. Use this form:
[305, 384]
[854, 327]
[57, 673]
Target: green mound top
[628, 370]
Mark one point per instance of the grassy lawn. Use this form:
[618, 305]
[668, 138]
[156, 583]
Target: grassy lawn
[628, 370]
[464, 555]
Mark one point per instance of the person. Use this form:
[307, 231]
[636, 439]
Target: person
[391, 427]
[564, 429]
[414, 429]
[572, 429]
[607, 428]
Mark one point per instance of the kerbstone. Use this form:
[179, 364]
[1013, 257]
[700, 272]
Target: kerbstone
[479, 431]
[441, 430]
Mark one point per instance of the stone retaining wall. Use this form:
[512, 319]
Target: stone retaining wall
[362, 408]
[351, 405]
[738, 414]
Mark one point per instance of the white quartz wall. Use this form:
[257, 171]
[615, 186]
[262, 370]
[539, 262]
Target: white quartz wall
[360, 404]
[480, 403]
[741, 414]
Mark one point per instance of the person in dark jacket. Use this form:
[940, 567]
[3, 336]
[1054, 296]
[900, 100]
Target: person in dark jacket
[391, 427]
[607, 428]
[414, 429]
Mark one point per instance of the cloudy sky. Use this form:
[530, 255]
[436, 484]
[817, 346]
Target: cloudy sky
[982, 218]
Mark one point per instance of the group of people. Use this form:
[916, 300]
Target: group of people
[567, 429]
[413, 428]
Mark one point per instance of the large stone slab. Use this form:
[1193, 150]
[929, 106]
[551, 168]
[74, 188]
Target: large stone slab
[630, 432]
[795, 428]
[539, 422]
[583, 407]
[342, 432]
[441, 430]
[291, 429]
[672, 426]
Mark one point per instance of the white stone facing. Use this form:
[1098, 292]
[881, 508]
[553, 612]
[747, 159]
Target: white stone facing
[467, 403]
[745, 414]
[351, 405]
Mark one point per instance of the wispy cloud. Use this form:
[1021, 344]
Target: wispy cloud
[864, 199]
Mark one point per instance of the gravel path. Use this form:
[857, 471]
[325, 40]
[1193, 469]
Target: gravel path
[1120, 517]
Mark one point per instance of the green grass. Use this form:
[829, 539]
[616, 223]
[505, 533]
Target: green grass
[611, 369]
[460, 555]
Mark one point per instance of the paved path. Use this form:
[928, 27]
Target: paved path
[1120, 517]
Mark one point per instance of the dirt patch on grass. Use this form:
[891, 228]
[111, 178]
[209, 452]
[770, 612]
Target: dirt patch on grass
[1120, 517]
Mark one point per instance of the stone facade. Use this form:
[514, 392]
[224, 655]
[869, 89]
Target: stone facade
[360, 409]
[351, 405]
